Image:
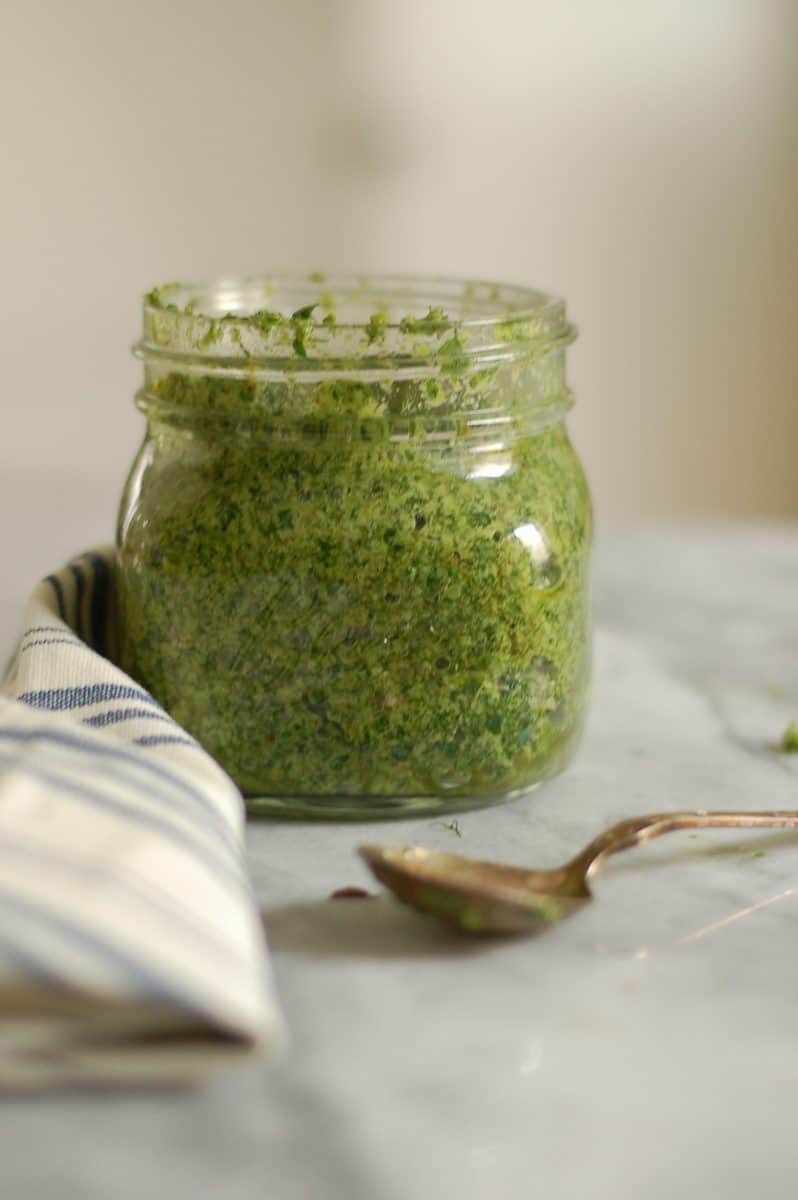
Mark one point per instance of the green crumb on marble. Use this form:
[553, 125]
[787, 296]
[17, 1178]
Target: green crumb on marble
[789, 740]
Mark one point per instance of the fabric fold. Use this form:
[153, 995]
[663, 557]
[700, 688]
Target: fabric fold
[131, 949]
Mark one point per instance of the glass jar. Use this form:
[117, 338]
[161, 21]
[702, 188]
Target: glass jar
[353, 547]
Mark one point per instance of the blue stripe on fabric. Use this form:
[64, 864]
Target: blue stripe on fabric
[82, 696]
[45, 629]
[159, 740]
[61, 641]
[76, 572]
[125, 714]
[130, 758]
[56, 585]
[144, 890]
[186, 839]
[111, 954]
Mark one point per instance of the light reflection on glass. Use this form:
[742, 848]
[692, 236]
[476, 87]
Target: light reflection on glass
[491, 470]
[531, 537]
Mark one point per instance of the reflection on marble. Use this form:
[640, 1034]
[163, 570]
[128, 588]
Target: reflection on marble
[644, 1048]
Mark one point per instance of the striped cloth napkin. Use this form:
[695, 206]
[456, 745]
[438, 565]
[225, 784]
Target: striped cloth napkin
[131, 949]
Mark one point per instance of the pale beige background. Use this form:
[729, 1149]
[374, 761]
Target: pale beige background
[640, 158]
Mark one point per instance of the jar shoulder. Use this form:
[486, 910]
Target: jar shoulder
[183, 489]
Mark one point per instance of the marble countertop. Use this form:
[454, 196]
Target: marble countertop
[645, 1048]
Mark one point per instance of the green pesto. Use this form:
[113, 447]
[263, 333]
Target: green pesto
[434, 321]
[316, 589]
[789, 740]
[375, 326]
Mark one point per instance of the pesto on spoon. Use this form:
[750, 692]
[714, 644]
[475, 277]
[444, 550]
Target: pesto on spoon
[488, 898]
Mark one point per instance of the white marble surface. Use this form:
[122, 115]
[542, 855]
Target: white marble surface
[646, 1048]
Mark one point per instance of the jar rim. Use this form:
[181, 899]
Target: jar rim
[380, 324]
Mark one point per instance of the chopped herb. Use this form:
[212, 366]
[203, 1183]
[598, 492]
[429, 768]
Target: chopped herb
[304, 314]
[264, 321]
[155, 299]
[452, 354]
[435, 321]
[375, 326]
[300, 320]
[453, 346]
[789, 740]
[315, 583]
[212, 335]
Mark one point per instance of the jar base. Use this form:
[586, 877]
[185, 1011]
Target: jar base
[375, 808]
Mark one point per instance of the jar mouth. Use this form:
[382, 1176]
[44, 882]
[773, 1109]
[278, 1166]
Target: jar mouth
[347, 324]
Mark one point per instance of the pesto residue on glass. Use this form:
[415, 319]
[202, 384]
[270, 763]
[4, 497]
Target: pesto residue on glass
[356, 585]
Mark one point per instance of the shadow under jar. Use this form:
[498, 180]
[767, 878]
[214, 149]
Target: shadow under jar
[353, 547]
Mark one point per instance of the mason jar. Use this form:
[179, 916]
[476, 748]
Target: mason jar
[353, 548]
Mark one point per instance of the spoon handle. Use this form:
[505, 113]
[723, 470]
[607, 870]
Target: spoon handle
[637, 830]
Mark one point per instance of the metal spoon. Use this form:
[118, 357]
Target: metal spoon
[487, 898]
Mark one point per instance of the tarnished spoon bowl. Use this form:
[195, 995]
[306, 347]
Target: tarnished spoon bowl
[477, 897]
[488, 898]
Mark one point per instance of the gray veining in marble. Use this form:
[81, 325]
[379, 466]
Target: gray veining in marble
[646, 1048]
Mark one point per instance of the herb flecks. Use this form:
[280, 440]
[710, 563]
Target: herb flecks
[435, 321]
[789, 739]
[452, 355]
[265, 321]
[375, 326]
[300, 321]
[318, 585]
